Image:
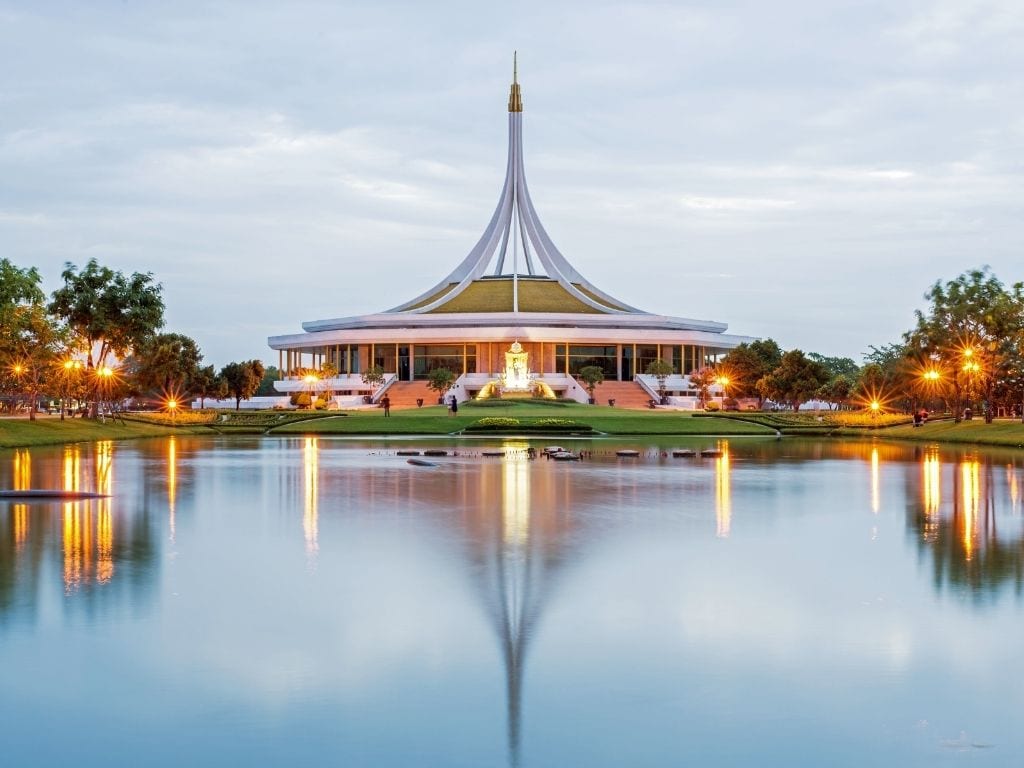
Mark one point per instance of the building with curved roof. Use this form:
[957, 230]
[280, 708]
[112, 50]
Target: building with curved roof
[513, 285]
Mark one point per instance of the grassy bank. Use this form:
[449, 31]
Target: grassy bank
[22, 433]
[1001, 433]
[435, 420]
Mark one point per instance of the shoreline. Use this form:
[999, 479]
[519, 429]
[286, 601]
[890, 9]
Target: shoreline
[17, 433]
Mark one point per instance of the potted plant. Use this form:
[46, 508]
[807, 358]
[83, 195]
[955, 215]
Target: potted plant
[591, 376]
[660, 370]
[374, 376]
[440, 380]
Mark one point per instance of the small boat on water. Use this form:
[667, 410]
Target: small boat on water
[564, 456]
[47, 493]
[711, 453]
[493, 452]
[627, 453]
[435, 452]
[685, 453]
[554, 449]
[406, 452]
[422, 463]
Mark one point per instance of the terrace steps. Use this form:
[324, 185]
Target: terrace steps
[404, 394]
[627, 394]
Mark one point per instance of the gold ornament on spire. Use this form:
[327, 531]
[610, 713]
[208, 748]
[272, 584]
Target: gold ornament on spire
[515, 98]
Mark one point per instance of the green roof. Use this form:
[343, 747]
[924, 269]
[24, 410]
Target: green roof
[495, 295]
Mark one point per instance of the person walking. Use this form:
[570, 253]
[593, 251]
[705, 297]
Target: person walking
[386, 404]
[453, 407]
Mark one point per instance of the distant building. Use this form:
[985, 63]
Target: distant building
[513, 286]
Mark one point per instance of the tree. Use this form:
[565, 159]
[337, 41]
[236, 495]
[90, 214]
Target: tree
[270, 375]
[108, 312]
[969, 329]
[747, 364]
[837, 366]
[591, 376]
[440, 380]
[30, 340]
[836, 391]
[242, 379]
[168, 362]
[701, 380]
[34, 344]
[206, 383]
[795, 380]
[374, 375]
[19, 285]
[660, 370]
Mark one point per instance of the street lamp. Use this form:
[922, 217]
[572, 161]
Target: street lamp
[172, 408]
[312, 380]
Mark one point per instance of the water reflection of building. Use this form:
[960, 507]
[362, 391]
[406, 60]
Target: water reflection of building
[965, 514]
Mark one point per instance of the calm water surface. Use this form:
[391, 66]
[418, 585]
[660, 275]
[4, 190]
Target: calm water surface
[276, 601]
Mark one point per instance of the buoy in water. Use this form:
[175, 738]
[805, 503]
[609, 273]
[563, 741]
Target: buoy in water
[629, 453]
[565, 456]
[684, 454]
[435, 452]
[405, 452]
[492, 453]
[711, 452]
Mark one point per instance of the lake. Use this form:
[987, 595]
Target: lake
[279, 601]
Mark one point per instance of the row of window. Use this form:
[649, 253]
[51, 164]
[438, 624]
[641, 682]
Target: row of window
[424, 358]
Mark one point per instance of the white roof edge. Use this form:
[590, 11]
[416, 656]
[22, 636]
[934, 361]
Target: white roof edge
[387, 320]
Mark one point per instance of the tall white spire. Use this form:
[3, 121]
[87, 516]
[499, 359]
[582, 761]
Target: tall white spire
[515, 220]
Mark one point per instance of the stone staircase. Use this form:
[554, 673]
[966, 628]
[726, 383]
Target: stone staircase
[404, 394]
[627, 394]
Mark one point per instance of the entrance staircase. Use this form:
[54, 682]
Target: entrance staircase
[404, 394]
[627, 394]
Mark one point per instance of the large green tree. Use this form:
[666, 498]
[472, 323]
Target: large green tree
[30, 340]
[969, 329]
[168, 363]
[747, 364]
[242, 379]
[108, 312]
[795, 380]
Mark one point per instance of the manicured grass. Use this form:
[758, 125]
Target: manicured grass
[435, 420]
[22, 433]
[999, 432]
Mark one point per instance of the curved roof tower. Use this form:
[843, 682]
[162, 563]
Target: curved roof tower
[514, 283]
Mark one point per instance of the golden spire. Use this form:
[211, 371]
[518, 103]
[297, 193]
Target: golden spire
[515, 99]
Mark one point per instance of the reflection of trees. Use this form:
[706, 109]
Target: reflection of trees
[100, 556]
[963, 516]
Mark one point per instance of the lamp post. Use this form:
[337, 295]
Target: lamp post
[311, 380]
[971, 367]
[71, 369]
[172, 408]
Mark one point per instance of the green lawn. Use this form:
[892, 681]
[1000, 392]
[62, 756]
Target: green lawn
[1000, 432]
[433, 420]
[21, 433]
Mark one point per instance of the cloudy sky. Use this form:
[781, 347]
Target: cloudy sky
[799, 170]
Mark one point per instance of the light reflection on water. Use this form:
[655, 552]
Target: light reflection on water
[506, 611]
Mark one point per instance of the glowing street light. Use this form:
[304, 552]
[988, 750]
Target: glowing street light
[932, 376]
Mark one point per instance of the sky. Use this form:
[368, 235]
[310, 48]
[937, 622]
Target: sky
[799, 170]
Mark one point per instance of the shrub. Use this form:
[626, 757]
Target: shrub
[712, 406]
[555, 422]
[497, 421]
